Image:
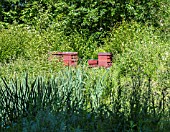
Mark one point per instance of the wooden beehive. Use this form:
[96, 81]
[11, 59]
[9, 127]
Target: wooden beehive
[70, 58]
[105, 60]
[93, 63]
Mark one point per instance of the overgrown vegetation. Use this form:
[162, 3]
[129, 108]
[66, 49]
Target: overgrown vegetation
[85, 99]
[37, 95]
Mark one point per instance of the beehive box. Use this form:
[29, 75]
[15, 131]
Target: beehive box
[93, 63]
[105, 60]
[70, 58]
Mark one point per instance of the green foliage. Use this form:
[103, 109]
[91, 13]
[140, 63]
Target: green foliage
[78, 99]
[138, 49]
[85, 47]
[18, 42]
[127, 43]
[90, 17]
[37, 15]
[99, 16]
[133, 95]
[35, 67]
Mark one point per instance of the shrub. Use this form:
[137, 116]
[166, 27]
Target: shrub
[18, 42]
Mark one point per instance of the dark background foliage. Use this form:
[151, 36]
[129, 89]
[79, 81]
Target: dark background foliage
[91, 16]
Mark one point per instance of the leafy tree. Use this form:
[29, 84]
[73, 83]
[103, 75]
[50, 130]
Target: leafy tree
[92, 17]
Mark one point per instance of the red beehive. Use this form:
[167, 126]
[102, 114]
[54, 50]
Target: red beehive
[93, 63]
[55, 55]
[105, 60]
[70, 58]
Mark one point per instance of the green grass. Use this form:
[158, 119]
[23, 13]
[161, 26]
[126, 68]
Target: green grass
[85, 99]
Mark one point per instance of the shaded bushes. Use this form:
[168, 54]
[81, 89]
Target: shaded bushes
[93, 16]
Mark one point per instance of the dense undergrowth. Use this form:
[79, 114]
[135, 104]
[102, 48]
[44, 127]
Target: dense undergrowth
[38, 95]
[82, 99]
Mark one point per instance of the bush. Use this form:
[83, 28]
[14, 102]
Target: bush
[18, 42]
[138, 49]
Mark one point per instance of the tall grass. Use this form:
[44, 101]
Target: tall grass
[81, 100]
